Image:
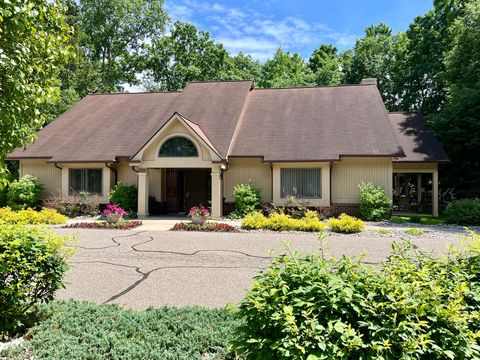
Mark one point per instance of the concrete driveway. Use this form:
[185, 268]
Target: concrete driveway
[139, 269]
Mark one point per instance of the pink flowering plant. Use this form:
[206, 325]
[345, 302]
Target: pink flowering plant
[113, 209]
[199, 211]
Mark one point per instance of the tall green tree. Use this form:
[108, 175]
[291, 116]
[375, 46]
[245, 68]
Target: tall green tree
[33, 48]
[458, 124]
[371, 57]
[243, 67]
[326, 65]
[186, 54]
[115, 33]
[286, 70]
[429, 39]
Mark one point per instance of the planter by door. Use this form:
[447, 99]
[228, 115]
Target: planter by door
[198, 219]
[114, 218]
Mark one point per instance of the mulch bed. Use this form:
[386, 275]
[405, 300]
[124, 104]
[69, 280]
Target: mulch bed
[208, 226]
[124, 225]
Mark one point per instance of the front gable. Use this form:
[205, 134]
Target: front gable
[177, 126]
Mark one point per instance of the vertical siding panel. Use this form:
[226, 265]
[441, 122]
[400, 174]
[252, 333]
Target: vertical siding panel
[241, 171]
[50, 176]
[126, 175]
[349, 172]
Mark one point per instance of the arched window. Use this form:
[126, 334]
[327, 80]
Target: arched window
[178, 146]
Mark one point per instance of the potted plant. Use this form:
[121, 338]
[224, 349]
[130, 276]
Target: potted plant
[199, 214]
[114, 213]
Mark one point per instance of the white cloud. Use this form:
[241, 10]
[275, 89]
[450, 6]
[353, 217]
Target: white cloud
[247, 31]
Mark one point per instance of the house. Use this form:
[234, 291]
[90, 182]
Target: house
[190, 147]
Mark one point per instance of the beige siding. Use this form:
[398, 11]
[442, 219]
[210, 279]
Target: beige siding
[155, 183]
[240, 171]
[174, 128]
[349, 172]
[126, 175]
[48, 174]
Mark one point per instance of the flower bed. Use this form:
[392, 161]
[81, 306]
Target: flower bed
[209, 226]
[123, 225]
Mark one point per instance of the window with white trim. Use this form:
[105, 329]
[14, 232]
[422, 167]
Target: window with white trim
[301, 183]
[85, 180]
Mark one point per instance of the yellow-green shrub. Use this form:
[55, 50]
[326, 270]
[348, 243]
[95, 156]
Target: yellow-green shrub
[32, 217]
[283, 222]
[346, 224]
[254, 221]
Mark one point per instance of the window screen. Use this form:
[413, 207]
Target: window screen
[89, 180]
[301, 183]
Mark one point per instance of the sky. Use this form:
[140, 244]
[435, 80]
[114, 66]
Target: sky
[258, 28]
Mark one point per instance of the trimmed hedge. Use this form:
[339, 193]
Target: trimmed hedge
[346, 224]
[32, 264]
[415, 306]
[32, 217]
[283, 222]
[464, 212]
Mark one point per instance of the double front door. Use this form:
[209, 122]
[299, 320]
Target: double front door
[186, 188]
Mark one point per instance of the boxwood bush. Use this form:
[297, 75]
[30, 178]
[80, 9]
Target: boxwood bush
[24, 192]
[464, 212]
[374, 203]
[32, 264]
[125, 196]
[415, 306]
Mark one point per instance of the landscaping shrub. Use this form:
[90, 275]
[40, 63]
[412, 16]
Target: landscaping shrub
[24, 192]
[374, 203]
[283, 222]
[125, 196]
[80, 204]
[414, 306]
[247, 198]
[32, 217]
[76, 330]
[346, 224]
[208, 226]
[464, 212]
[32, 264]
[122, 225]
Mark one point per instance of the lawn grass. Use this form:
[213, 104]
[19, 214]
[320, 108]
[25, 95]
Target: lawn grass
[417, 219]
[383, 231]
[80, 330]
[414, 232]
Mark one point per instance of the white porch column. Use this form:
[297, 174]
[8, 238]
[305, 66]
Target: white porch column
[142, 193]
[435, 192]
[419, 189]
[216, 192]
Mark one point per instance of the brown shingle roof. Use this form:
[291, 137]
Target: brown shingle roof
[296, 124]
[321, 123]
[416, 139]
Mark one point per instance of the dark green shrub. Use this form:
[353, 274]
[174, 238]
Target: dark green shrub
[374, 203]
[247, 198]
[24, 192]
[32, 264]
[464, 212]
[125, 196]
[74, 205]
[415, 306]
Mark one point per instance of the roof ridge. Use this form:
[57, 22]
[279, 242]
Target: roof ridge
[217, 81]
[314, 87]
[135, 93]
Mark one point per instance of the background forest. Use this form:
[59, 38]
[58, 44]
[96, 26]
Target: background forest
[433, 67]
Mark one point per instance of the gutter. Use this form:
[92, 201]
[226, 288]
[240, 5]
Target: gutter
[114, 171]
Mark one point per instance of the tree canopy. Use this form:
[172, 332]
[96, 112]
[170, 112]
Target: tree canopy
[33, 48]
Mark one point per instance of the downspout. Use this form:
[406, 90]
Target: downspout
[271, 181]
[114, 171]
[58, 167]
[330, 175]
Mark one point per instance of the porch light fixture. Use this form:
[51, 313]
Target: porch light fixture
[223, 167]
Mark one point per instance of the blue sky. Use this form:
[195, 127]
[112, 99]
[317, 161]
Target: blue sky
[258, 27]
